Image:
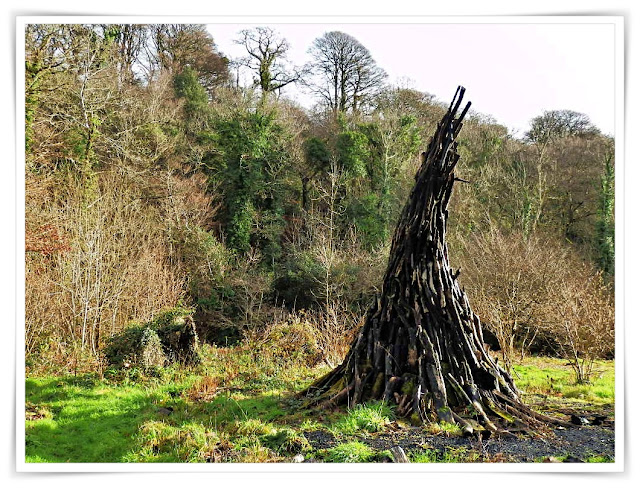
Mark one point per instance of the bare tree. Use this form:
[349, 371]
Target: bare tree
[347, 75]
[175, 46]
[554, 124]
[129, 40]
[267, 59]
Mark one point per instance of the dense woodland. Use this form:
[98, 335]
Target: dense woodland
[156, 182]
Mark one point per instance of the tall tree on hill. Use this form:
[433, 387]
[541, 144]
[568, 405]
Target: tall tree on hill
[177, 46]
[421, 345]
[266, 58]
[347, 75]
[129, 40]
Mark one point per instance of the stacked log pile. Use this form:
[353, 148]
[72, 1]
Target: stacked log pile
[422, 346]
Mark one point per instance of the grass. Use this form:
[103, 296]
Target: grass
[222, 410]
[449, 455]
[349, 452]
[445, 428]
[369, 418]
[237, 407]
[554, 377]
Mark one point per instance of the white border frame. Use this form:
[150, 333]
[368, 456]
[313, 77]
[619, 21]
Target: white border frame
[619, 133]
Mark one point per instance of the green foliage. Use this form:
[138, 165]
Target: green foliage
[605, 226]
[187, 86]
[297, 281]
[317, 154]
[370, 417]
[162, 442]
[449, 455]
[366, 215]
[240, 224]
[252, 163]
[598, 459]
[350, 452]
[353, 152]
[151, 344]
[151, 351]
[285, 441]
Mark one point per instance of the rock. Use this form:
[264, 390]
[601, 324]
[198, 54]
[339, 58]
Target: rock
[598, 419]
[398, 455]
[165, 411]
[298, 458]
[551, 459]
[572, 459]
[577, 420]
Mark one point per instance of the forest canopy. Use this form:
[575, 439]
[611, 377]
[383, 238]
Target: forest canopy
[156, 182]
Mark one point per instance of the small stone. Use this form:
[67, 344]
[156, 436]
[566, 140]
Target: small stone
[551, 459]
[298, 458]
[166, 411]
[572, 459]
[577, 420]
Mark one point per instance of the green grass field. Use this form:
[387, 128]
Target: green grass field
[236, 407]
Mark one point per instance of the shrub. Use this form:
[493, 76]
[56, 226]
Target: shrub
[350, 452]
[371, 417]
[536, 293]
[584, 328]
[297, 283]
[290, 342]
[170, 337]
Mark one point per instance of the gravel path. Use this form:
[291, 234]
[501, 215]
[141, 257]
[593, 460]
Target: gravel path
[577, 443]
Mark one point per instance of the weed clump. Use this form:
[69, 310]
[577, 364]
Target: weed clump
[287, 343]
[449, 455]
[370, 417]
[281, 440]
[162, 442]
[286, 440]
[350, 452]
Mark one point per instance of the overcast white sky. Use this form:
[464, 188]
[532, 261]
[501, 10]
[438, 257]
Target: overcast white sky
[511, 71]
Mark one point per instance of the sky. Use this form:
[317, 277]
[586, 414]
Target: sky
[513, 72]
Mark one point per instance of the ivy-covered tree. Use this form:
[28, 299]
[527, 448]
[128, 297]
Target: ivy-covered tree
[267, 59]
[605, 228]
[252, 167]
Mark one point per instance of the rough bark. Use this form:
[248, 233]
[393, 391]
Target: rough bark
[421, 346]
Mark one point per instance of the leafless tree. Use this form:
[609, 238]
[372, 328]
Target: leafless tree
[267, 59]
[347, 76]
[175, 46]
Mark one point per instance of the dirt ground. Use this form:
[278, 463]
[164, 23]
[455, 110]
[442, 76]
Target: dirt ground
[576, 443]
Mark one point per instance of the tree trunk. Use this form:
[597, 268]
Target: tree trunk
[421, 346]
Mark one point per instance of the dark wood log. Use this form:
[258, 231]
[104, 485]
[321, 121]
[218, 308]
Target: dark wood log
[421, 345]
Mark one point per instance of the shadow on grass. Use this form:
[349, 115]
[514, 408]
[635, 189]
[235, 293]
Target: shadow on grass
[83, 422]
[89, 421]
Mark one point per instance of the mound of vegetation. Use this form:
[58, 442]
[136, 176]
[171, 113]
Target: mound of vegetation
[169, 338]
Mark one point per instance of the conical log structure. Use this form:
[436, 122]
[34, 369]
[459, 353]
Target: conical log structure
[421, 345]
